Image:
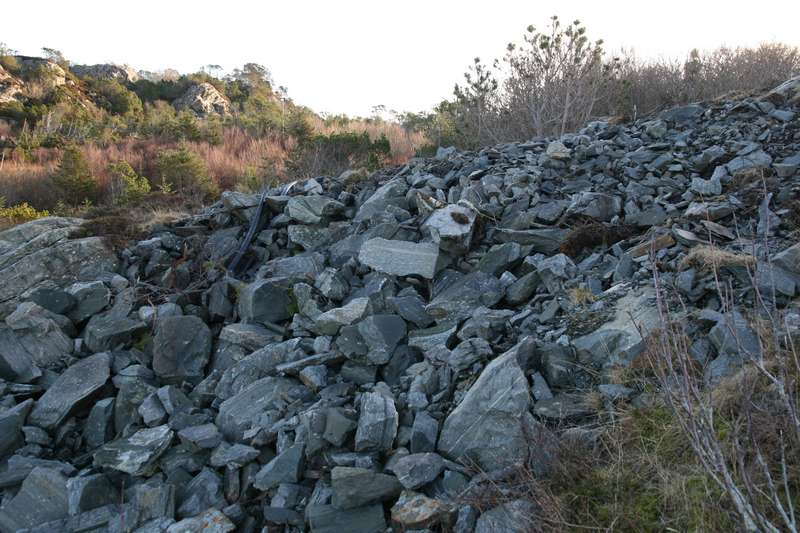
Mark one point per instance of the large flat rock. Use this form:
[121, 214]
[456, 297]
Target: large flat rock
[400, 258]
[40, 253]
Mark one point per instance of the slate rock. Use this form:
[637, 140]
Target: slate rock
[377, 423]
[433, 337]
[598, 206]
[286, 467]
[329, 322]
[16, 364]
[88, 492]
[108, 331]
[37, 335]
[390, 194]
[54, 300]
[417, 511]
[42, 498]
[90, 298]
[99, 427]
[452, 228]
[72, 388]
[516, 515]
[181, 348]
[210, 521]
[329, 519]
[356, 487]
[205, 436]
[136, 454]
[459, 299]
[267, 300]
[491, 426]
[424, 433]
[418, 469]
[338, 427]
[204, 491]
[400, 258]
[238, 413]
[40, 253]
[312, 209]
[232, 455]
[381, 334]
[11, 421]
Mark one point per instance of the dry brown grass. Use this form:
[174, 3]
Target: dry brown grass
[709, 258]
[121, 226]
[581, 296]
[234, 159]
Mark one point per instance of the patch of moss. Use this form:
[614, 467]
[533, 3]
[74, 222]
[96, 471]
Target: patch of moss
[144, 341]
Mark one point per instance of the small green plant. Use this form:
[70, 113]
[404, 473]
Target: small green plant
[126, 185]
[165, 187]
[74, 178]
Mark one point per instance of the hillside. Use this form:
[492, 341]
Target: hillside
[242, 130]
[589, 331]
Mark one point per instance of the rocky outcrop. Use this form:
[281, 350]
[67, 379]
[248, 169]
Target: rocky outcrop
[10, 87]
[106, 71]
[48, 73]
[203, 100]
[388, 347]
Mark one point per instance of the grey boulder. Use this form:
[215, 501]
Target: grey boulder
[181, 348]
[490, 427]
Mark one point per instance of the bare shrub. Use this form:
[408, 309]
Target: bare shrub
[745, 433]
[558, 80]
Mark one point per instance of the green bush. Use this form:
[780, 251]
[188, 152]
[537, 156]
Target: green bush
[185, 172]
[17, 214]
[126, 185]
[115, 98]
[151, 91]
[74, 178]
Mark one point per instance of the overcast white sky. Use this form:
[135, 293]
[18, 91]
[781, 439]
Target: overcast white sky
[349, 55]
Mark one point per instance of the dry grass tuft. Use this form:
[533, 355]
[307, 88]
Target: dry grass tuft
[581, 296]
[121, 226]
[709, 258]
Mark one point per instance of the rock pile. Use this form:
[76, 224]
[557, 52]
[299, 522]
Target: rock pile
[387, 345]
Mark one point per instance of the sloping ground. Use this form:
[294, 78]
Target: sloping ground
[384, 348]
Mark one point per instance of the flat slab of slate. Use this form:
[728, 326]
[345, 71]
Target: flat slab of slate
[76, 384]
[400, 258]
